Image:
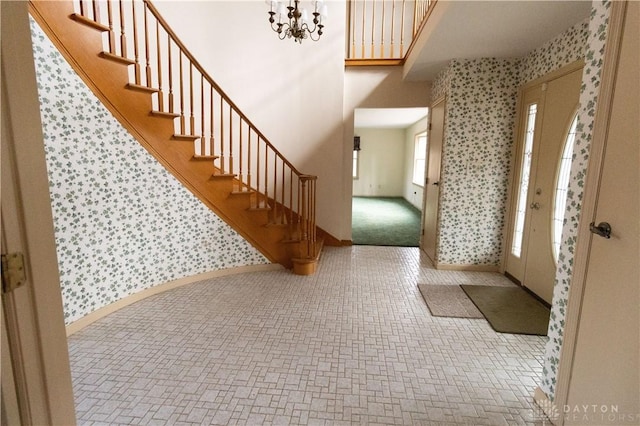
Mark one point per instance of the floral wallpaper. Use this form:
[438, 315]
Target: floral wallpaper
[478, 138]
[477, 115]
[122, 222]
[564, 49]
[598, 25]
[441, 85]
[480, 114]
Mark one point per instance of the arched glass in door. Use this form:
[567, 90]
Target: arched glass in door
[562, 185]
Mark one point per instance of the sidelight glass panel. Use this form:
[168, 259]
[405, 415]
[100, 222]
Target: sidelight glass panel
[562, 185]
[523, 186]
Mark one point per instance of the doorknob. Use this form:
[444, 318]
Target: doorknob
[535, 206]
[436, 183]
[603, 229]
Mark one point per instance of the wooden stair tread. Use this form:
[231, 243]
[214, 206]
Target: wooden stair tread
[308, 265]
[319, 246]
[242, 192]
[189, 138]
[204, 158]
[291, 241]
[88, 22]
[116, 58]
[275, 225]
[223, 176]
[164, 114]
[140, 88]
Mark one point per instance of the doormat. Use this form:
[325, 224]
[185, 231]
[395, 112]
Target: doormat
[448, 301]
[510, 309]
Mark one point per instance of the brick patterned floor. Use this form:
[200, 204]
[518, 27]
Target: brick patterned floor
[353, 344]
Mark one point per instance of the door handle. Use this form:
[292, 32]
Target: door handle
[603, 229]
[436, 183]
[535, 206]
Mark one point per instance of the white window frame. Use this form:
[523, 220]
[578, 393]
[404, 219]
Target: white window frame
[419, 155]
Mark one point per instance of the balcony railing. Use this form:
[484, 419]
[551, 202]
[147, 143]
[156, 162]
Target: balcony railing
[381, 32]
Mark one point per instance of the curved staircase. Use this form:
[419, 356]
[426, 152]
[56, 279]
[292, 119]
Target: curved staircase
[130, 58]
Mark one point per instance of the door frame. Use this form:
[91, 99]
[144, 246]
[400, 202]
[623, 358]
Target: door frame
[33, 313]
[440, 100]
[589, 204]
[516, 153]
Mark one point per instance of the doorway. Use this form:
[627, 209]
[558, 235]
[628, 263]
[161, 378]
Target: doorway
[546, 130]
[432, 181]
[388, 153]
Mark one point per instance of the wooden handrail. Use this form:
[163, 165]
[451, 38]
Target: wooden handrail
[259, 172]
[362, 18]
[210, 80]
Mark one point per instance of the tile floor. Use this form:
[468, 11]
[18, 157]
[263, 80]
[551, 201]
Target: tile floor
[353, 344]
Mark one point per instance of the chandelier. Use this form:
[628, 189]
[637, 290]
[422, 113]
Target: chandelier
[293, 22]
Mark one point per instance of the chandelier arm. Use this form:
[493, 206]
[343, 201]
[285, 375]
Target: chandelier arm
[295, 28]
[314, 39]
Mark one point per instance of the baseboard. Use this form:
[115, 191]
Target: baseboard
[463, 267]
[329, 240]
[547, 406]
[161, 288]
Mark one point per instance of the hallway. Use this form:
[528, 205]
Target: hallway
[353, 344]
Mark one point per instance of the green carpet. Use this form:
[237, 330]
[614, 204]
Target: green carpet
[510, 309]
[385, 221]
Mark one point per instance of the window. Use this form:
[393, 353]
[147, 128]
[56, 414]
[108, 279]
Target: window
[419, 158]
[562, 185]
[355, 164]
[525, 170]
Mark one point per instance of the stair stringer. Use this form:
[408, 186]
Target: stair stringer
[81, 46]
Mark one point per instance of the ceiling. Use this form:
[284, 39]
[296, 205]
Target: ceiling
[488, 29]
[476, 29]
[387, 118]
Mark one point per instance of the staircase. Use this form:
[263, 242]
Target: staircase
[130, 58]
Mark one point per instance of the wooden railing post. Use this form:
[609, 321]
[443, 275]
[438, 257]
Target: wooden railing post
[261, 168]
[308, 234]
[370, 42]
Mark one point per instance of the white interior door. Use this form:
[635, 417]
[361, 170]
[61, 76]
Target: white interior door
[432, 182]
[606, 367]
[551, 107]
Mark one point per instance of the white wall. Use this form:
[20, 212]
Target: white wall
[292, 92]
[411, 192]
[300, 96]
[382, 163]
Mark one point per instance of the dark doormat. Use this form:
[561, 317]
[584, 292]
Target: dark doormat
[510, 309]
[448, 301]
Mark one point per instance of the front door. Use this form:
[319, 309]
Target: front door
[547, 123]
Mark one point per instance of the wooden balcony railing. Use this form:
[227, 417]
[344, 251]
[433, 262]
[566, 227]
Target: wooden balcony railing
[381, 32]
[135, 33]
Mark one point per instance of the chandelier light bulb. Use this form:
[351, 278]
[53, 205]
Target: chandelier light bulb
[293, 22]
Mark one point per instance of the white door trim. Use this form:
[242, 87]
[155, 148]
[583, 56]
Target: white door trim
[34, 314]
[592, 180]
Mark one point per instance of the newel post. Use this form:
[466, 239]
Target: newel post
[306, 263]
